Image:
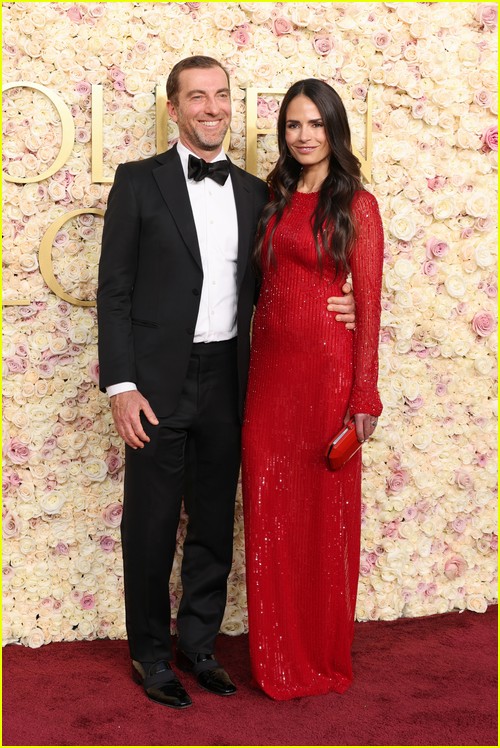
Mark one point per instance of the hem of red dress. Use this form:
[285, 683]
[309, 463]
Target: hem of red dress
[339, 687]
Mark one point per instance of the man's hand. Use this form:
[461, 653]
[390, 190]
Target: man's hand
[126, 410]
[344, 306]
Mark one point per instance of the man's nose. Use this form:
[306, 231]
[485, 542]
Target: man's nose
[212, 106]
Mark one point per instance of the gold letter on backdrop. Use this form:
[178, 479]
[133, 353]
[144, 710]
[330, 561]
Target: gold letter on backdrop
[252, 131]
[97, 136]
[68, 132]
[45, 256]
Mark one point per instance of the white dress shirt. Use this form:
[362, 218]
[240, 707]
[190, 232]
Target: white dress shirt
[214, 212]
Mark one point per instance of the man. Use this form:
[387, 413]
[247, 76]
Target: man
[175, 300]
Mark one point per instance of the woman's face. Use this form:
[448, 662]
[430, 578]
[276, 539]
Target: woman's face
[305, 133]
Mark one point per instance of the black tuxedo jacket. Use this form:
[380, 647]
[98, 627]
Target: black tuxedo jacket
[150, 277]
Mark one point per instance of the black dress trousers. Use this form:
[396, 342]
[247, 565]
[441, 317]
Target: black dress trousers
[195, 453]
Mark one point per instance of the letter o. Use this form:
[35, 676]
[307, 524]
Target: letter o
[45, 256]
[68, 132]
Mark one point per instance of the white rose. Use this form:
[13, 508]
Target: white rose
[455, 286]
[461, 347]
[35, 638]
[411, 389]
[477, 603]
[422, 439]
[403, 227]
[287, 46]
[478, 204]
[483, 365]
[95, 469]
[444, 207]
[52, 502]
[404, 268]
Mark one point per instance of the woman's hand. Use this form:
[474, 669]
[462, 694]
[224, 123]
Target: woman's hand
[365, 425]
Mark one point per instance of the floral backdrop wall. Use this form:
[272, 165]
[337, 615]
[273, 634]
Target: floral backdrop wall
[429, 537]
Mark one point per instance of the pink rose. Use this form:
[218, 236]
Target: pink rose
[17, 452]
[87, 601]
[391, 530]
[463, 479]
[61, 549]
[415, 404]
[489, 138]
[282, 26]
[16, 365]
[397, 481]
[381, 39]
[107, 544]
[83, 88]
[262, 107]
[459, 524]
[441, 389]
[483, 224]
[483, 97]
[435, 247]
[418, 109]
[74, 14]
[429, 268]
[112, 515]
[241, 37]
[113, 461]
[430, 589]
[487, 14]
[359, 92]
[323, 45]
[364, 568]
[94, 371]
[10, 525]
[454, 566]
[436, 183]
[483, 324]
[410, 513]
[115, 74]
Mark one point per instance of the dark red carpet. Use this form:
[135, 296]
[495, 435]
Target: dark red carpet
[425, 681]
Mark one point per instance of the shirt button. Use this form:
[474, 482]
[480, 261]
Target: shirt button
[190, 331]
[196, 292]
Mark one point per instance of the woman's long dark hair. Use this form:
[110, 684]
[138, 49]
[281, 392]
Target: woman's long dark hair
[332, 223]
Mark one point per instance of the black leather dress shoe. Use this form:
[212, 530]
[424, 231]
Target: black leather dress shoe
[208, 672]
[161, 685]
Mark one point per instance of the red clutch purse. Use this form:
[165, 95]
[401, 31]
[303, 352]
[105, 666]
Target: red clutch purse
[342, 447]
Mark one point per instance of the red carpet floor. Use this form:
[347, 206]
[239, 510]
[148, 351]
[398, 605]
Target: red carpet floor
[426, 681]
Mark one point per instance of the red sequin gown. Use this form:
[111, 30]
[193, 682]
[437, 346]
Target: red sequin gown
[302, 522]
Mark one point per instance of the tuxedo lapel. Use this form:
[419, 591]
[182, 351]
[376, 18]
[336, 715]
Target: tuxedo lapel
[172, 185]
[243, 198]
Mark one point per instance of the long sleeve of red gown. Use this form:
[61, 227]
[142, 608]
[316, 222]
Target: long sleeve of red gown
[366, 267]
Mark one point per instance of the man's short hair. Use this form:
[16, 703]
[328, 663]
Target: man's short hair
[198, 61]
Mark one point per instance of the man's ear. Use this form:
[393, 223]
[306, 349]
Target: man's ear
[172, 111]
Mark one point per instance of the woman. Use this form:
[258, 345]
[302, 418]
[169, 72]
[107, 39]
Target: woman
[308, 375]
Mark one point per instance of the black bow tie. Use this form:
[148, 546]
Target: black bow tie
[198, 169]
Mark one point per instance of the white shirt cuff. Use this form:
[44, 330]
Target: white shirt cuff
[116, 389]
